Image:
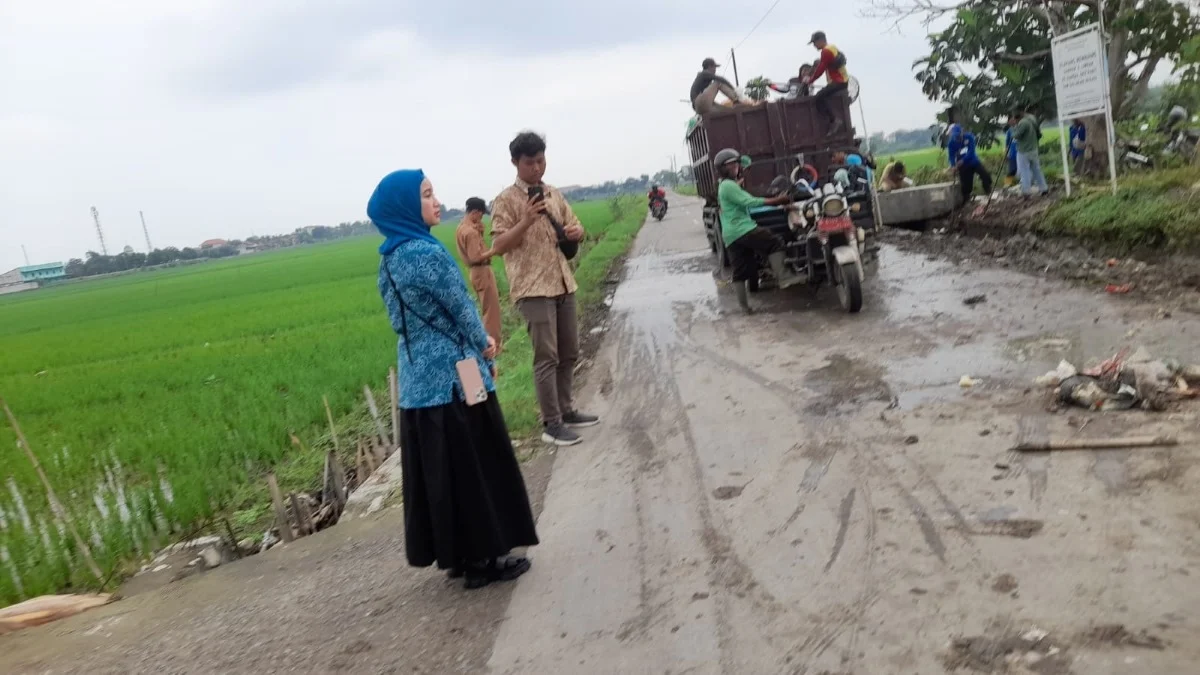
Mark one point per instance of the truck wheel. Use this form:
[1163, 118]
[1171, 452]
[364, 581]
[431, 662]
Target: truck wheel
[850, 287]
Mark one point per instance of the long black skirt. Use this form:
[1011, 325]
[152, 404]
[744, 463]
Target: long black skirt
[464, 496]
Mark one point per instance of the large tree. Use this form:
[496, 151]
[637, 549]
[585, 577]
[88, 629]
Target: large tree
[989, 56]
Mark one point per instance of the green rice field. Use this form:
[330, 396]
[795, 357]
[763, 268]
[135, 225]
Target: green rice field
[154, 400]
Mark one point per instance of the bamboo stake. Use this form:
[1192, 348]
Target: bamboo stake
[375, 415]
[281, 519]
[332, 429]
[55, 505]
[394, 393]
[1098, 443]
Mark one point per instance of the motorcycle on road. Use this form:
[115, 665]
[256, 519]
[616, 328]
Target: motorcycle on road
[834, 245]
[658, 209]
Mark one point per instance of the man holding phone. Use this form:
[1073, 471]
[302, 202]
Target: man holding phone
[535, 231]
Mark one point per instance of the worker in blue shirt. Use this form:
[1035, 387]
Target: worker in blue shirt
[963, 160]
[1078, 139]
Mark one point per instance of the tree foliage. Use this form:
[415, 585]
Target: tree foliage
[990, 56]
[756, 89]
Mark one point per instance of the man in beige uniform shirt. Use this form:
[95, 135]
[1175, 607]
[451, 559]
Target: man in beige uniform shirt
[478, 259]
[524, 219]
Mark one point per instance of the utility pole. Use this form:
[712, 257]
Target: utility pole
[149, 246]
[26, 254]
[99, 231]
[733, 58]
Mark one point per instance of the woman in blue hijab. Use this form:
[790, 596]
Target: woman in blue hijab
[465, 504]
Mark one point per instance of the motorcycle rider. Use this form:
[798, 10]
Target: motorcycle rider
[745, 240]
[657, 193]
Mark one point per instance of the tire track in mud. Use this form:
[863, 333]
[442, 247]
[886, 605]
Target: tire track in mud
[652, 375]
[828, 631]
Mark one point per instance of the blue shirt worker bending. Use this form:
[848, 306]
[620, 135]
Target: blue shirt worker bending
[965, 162]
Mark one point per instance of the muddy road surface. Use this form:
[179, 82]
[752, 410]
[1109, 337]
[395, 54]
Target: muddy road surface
[799, 491]
[806, 491]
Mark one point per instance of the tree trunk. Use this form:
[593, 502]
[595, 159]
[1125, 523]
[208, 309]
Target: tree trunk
[1096, 150]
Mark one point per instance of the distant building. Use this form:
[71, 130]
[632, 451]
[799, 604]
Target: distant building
[213, 243]
[30, 277]
[43, 272]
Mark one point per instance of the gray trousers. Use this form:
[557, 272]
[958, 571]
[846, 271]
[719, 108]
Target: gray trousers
[555, 336]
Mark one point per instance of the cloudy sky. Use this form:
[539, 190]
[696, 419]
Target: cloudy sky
[223, 118]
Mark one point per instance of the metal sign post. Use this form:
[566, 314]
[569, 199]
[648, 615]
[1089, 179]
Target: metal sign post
[1081, 87]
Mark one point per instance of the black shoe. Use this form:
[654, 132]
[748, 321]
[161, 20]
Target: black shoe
[560, 435]
[498, 569]
[578, 420]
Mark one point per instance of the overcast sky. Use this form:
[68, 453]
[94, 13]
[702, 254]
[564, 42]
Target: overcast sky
[223, 118]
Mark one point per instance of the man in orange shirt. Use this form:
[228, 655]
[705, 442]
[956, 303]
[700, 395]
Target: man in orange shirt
[478, 259]
[832, 65]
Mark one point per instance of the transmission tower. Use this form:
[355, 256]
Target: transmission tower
[99, 230]
[149, 246]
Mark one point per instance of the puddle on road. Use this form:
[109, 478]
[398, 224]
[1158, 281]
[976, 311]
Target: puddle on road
[915, 328]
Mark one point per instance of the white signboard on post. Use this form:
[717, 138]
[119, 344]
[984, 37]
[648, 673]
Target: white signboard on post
[1081, 86]
[1080, 81]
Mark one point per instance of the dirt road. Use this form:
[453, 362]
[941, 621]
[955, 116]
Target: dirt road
[805, 491]
[800, 491]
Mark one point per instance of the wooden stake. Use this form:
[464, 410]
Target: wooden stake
[302, 514]
[1099, 443]
[394, 393]
[375, 415]
[369, 455]
[360, 462]
[332, 429]
[281, 518]
[55, 504]
[338, 476]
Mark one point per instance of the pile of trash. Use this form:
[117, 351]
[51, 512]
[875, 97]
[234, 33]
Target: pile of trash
[1124, 381]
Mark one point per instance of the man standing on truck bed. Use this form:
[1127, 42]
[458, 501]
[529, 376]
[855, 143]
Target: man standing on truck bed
[707, 85]
[832, 65]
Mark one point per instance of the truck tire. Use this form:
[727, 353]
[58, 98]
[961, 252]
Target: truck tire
[849, 287]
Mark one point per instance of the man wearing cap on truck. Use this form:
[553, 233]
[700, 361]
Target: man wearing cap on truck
[832, 65]
[707, 85]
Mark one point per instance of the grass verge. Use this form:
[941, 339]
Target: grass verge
[1157, 210]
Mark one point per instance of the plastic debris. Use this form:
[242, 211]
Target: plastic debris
[1114, 289]
[1087, 392]
[966, 382]
[1055, 377]
[974, 300]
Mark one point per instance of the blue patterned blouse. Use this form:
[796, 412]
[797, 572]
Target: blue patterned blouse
[438, 325]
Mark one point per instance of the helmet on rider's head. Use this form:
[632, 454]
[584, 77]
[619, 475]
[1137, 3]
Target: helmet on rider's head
[726, 156]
